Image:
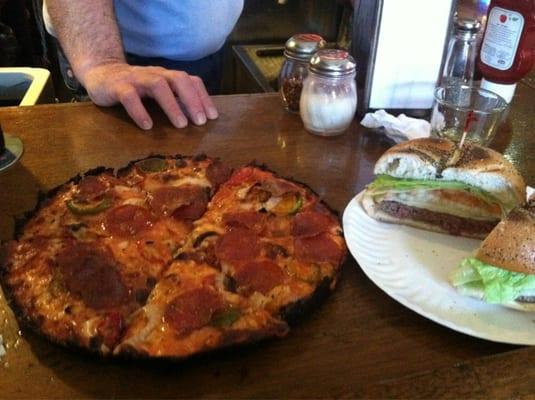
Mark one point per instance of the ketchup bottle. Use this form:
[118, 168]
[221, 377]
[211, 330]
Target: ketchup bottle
[508, 48]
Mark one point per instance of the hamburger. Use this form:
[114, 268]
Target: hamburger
[430, 184]
[503, 269]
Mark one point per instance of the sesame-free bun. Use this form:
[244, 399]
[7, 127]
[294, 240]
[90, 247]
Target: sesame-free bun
[511, 244]
[436, 159]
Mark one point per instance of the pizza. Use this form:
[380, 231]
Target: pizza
[171, 256]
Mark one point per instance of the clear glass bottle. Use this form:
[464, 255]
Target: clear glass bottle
[460, 62]
[297, 53]
[329, 97]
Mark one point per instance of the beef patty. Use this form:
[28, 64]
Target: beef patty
[449, 223]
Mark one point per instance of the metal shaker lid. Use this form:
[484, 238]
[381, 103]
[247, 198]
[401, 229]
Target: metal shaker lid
[332, 63]
[303, 45]
[467, 24]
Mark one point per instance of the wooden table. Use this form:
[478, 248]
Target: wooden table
[359, 343]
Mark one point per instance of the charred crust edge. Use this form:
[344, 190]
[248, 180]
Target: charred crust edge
[292, 313]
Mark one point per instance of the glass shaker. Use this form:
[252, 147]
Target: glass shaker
[329, 97]
[460, 62]
[298, 50]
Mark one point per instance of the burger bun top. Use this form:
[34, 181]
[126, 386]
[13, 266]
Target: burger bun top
[436, 159]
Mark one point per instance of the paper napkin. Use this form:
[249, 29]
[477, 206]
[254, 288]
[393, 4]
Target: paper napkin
[398, 128]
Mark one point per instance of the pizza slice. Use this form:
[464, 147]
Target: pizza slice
[72, 292]
[191, 310]
[272, 237]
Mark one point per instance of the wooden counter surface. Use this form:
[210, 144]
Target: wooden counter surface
[359, 343]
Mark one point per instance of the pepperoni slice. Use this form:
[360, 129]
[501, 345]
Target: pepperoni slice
[319, 248]
[259, 276]
[278, 226]
[238, 244]
[186, 201]
[194, 210]
[90, 187]
[252, 220]
[310, 223]
[128, 220]
[91, 273]
[217, 173]
[193, 310]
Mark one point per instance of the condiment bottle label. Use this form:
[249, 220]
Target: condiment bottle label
[504, 28]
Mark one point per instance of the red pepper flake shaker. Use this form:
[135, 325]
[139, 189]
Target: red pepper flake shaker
[297, 53]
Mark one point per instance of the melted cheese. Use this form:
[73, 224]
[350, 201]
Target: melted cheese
[153, 315]
[454, 202]
[154, 183]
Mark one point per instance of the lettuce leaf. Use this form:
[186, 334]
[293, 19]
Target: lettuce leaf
[387, 183]
[497, 285]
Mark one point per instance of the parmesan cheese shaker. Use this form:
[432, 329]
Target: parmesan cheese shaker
[297, 52]
[329, 97]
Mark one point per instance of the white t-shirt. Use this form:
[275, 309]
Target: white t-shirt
[182, 30]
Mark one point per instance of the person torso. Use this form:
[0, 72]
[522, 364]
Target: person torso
[182, 30]
[176, 29]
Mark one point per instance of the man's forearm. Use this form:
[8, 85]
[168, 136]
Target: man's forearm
[89, 36]
[88, 33]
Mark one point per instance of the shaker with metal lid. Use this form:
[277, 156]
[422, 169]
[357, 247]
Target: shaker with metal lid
[329, 97]
[459, 65]
[297, 53]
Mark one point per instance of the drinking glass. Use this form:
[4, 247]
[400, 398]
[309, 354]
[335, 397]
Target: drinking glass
[460, 108]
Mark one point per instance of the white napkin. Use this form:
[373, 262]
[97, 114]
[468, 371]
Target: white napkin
[529, 191]
[398, 128]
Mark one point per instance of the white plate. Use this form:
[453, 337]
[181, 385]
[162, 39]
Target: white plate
[413, 267]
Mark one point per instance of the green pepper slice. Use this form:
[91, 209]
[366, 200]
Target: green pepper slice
[225, 318]
[152, 165]
[88, 209]
[297, 205]
[289, 204]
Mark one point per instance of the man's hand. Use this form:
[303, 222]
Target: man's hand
[94, 48]
[181, 96]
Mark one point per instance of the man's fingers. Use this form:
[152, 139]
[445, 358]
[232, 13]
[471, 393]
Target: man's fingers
[129, 98]
[188, 95]
[206, 100]
[159, 90]
[126, 84]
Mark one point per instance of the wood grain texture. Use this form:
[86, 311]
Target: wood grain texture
[359, 343]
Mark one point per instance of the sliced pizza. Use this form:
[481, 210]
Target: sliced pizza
[170, 257]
